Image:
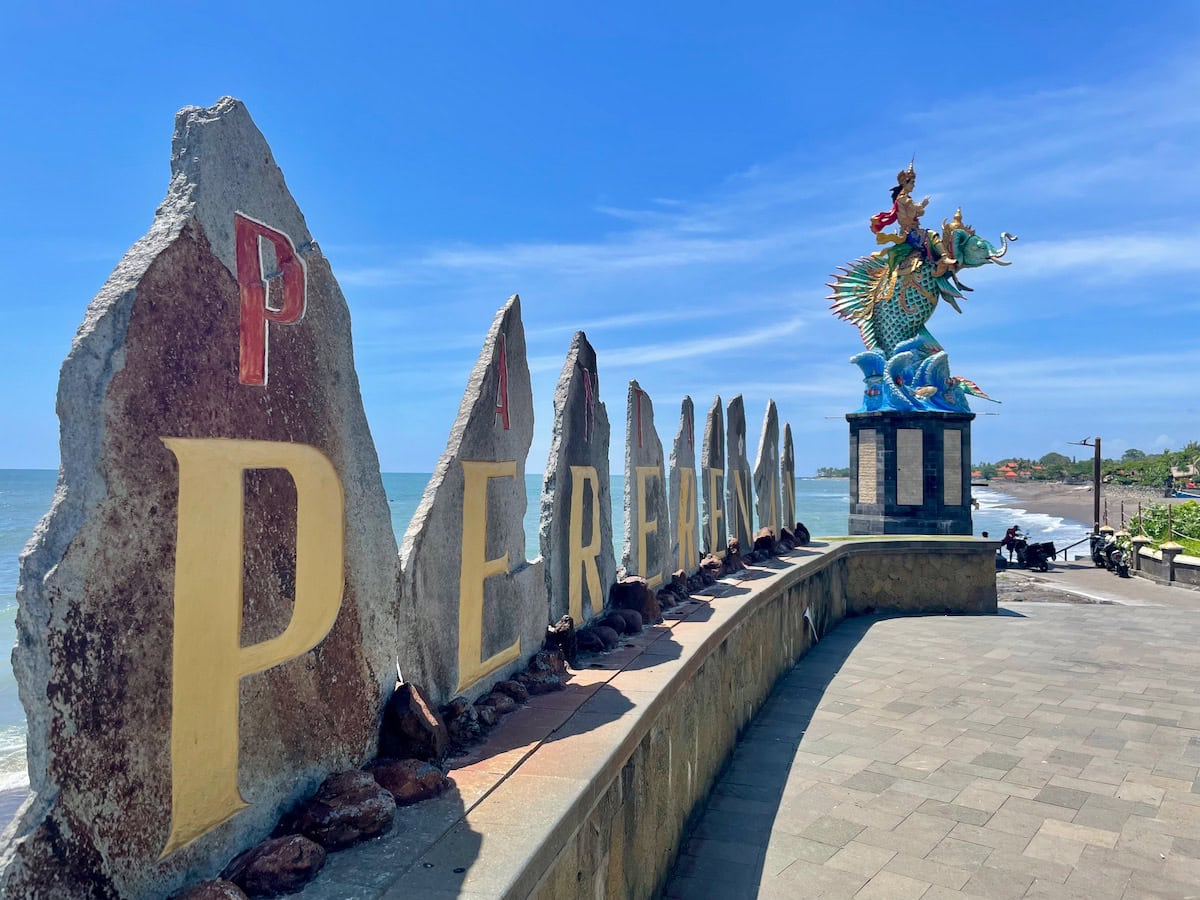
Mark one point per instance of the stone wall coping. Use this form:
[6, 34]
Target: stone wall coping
[1180, 558]
[522, 795]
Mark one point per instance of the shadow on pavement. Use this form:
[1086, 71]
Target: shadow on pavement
[724, 853]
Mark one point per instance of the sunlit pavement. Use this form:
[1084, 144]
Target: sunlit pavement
[1049, 751]
[1087, 582]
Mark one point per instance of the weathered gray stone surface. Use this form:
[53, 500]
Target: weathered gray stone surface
[712, 480]
[157, 357]
[739, 497]
[685, 510]
[787, 478]
[766, 472]
[471, 522]
[647, 548]
[576, 492]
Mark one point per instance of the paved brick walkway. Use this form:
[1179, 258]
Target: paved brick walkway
[1050, 751]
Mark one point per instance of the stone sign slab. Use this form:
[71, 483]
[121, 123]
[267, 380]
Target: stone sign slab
[685, 531]
[952, 483]
[787, 478]
[738, 486]
[207, 623]
[712, 480]
[575, 528]
[910, 467]
[472, 608]
[647, 550]
[868, 466]
[766, 472]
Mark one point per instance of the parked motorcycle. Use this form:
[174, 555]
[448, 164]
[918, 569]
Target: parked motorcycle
[1038, 556]
[1108, 554]
[1030, 556]
[1118, 561]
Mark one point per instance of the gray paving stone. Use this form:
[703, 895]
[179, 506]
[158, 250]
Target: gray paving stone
[955, 812]
[951, 851]
[928, 870]
[1186, 847]
[835, 832]
[1061, 796]
[1069, 759]
[997, 884]
[869, 781]
[994, 760]
[1050, 756]
[861, 859]
[805, 879]
[892, 886]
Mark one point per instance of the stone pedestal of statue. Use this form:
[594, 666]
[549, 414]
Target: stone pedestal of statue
[910, 472]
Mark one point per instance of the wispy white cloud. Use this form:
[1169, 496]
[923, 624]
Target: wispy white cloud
[623, 320]
[647, 355]
[1109, 256]
[678, 244]
[1140, 373]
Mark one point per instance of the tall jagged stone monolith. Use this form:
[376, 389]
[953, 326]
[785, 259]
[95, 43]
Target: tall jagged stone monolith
[575, 528]
[738, 489]
[473, 609]
[787, 478]
[766, 472]
[647, 548]
[685, 524]
[207, 623]
[712, 481]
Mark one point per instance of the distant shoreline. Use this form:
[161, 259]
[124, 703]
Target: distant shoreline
[1074, 501]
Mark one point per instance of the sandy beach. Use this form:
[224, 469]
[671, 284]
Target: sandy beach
[1074, 501]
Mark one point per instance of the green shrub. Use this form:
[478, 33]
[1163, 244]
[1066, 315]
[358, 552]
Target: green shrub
[1185, 523]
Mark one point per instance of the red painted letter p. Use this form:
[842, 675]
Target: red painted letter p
[252, 285]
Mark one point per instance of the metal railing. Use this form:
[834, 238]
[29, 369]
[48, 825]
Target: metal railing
[1063, 551]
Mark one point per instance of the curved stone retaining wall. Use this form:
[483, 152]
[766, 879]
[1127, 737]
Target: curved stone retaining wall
[623, 842]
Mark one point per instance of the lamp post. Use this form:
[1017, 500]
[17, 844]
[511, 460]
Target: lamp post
[1095, 482]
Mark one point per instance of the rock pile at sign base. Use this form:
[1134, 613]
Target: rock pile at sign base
[409, 780]
[277, 866]
[411, 727]
[347, 808]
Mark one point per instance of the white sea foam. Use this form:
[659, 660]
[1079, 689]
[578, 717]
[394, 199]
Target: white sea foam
[998, 511]
[12, 757]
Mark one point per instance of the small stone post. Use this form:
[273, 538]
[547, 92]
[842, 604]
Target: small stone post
[1139, 542]
[1170, 550]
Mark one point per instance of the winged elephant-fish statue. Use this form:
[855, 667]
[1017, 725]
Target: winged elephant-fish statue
[892, 293]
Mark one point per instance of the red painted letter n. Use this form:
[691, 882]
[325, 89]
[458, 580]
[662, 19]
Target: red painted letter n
[252, 287]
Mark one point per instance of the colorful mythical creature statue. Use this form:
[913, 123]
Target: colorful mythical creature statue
[891, 294]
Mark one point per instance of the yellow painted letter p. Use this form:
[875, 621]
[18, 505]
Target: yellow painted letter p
[209, 659]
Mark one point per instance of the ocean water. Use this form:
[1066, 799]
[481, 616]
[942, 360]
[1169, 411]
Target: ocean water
[25, 497]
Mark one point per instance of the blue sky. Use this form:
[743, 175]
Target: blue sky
[677, 179]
